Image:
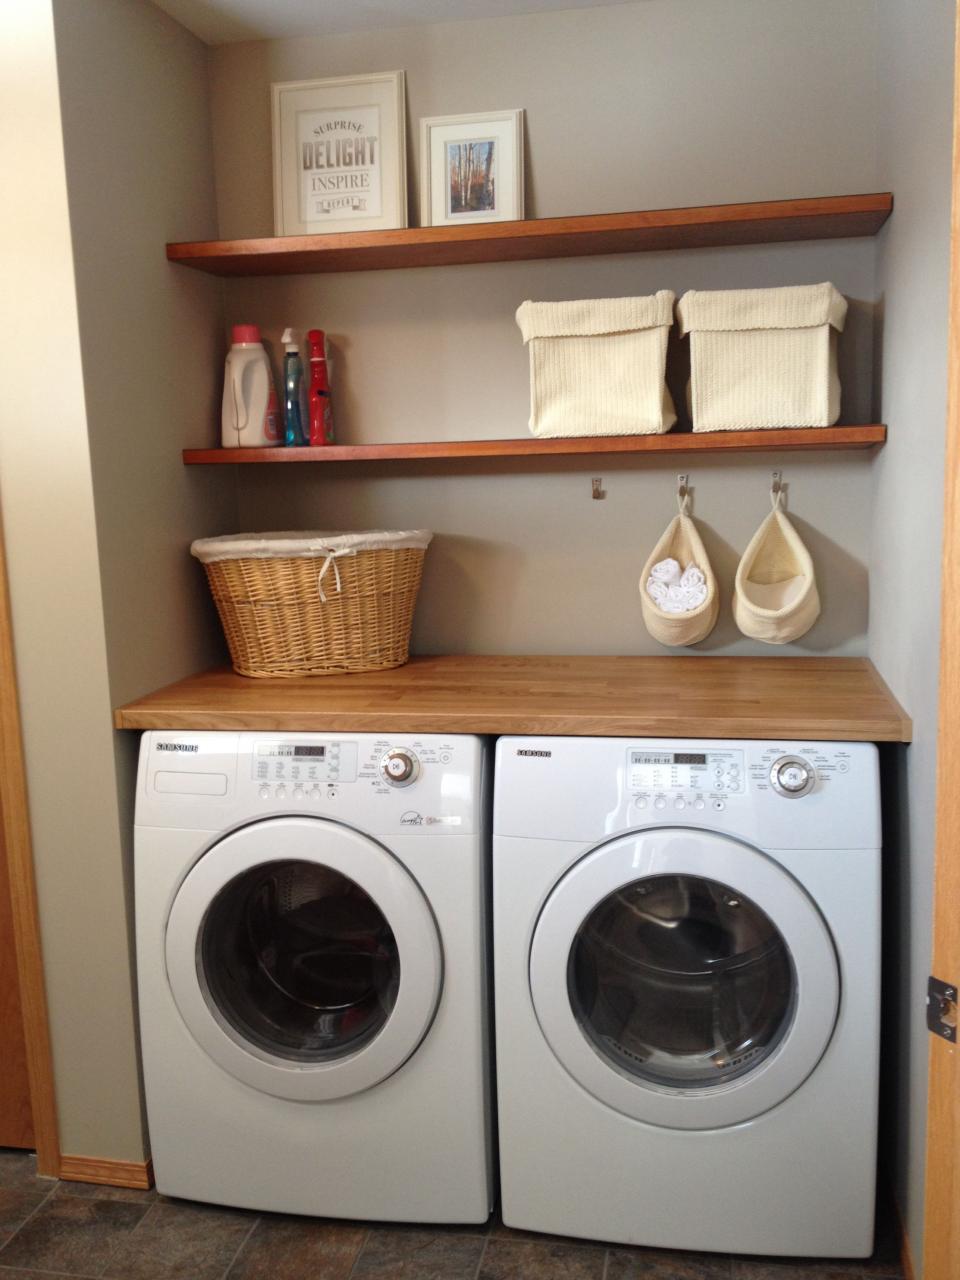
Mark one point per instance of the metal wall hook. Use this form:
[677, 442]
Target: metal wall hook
[683, 492]
[777, 489]
[596, 488]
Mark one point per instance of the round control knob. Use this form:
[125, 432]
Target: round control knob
[792, 776]
[298, 793]
[399, 768]
[264, 793]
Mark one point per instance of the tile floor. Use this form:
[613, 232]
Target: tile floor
[54, 1229]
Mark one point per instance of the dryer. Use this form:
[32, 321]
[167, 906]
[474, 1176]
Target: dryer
[687, 952]
[311, 946]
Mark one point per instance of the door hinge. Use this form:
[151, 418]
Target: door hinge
[942, 1009]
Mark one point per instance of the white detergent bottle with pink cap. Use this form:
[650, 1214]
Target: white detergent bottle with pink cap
[250, 418]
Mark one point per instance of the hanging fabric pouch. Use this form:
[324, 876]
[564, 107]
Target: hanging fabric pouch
[775, 595]
[682, 543]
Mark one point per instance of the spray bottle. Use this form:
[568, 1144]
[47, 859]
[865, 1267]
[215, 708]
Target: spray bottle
[294, 405]
[318, 396]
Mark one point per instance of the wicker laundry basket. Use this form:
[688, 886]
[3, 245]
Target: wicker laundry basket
[775, 597]
[763, 357]
[597, 365]
[680, 541]
[315, 604]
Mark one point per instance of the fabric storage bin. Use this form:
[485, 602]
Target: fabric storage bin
[775, 597]
[597, 366]
[680, 541]
[295, 604]
[763, 357]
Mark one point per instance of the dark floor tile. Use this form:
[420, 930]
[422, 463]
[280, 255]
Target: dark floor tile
[664, 1264]
[19, 1169]
[540, 1260]
[17, 1274]
[815, 1269]
[418, 1255]
[97, 1191]
[804, 1269]
[76, 1237]
[17, 1204]
[282, 1248]
[180, 1242]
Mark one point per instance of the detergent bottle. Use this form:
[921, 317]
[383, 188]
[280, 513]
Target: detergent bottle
[294, 402]
[318, 391]
[249, 418]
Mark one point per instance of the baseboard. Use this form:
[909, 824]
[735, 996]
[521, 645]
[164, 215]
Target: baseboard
[109, 1173]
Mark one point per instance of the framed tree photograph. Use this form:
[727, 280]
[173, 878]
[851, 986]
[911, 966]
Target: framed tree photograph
[471, 168]
[339, 154]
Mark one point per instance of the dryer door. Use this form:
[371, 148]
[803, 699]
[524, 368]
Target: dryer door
[304, 959]
[684, 979]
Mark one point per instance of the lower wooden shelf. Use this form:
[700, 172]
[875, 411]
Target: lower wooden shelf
[828, 699]
[857, 437]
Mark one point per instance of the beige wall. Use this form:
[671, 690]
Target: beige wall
[50, 531]
[631, 106]
[915, 122]
[97, 510]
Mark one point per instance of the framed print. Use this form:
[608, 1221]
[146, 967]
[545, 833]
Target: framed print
[471, 168]
[339, 154]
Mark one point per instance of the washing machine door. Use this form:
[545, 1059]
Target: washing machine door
[684, 978]
[303, 958]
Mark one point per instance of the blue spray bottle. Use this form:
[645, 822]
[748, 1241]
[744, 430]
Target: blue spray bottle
[294, 414]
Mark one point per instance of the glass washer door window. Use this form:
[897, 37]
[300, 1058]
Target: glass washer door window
[303, 958]
[299, 960]
[681, 981]
[665, 1000]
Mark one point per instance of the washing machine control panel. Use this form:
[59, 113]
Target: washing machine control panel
[690, 779]
[289, 769]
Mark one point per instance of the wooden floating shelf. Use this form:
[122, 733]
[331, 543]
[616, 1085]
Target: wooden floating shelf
[810, 438]
[709, 226]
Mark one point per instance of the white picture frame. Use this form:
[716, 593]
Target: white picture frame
[339, 154]
[482, 152]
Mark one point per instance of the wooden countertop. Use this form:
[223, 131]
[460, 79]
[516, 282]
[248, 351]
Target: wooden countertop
[833, 699]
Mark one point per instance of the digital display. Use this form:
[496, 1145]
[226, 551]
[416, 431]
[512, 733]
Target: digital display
[316, 753]
[688, 758]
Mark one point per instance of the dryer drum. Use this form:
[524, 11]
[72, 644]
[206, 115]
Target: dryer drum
[681, 981]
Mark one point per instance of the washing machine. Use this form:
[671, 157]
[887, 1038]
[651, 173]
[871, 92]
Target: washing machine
[311, 946]
[686, 957]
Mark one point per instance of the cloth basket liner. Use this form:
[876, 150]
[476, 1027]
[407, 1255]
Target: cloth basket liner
[681, 541]
[303, 545]
[775, 596]
[594, 316]
[733, 310]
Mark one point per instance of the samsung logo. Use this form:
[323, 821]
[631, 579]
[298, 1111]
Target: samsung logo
[522, 751]
[177, 746]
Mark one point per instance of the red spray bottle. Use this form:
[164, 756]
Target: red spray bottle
[318, 389]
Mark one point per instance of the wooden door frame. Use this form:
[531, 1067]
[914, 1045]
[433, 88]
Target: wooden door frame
[941, 1236]
[15, 823]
